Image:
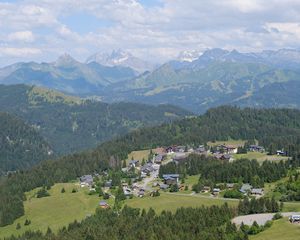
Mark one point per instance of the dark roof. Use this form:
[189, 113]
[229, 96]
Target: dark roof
[86, 178]
[170, 176]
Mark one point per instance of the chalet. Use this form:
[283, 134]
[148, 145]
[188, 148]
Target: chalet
[169, 150]
[256, 148]
[103, 204]
[216, 191]
[134, 163]
[171, 179]
[245, 188]
[294, 218]
[141, 193]
[158, 158]
[86, 180]
[280, 152]
[108, 184]
[127, 191]
[257, 191]
[227, 149]
[206, 189]
[147, 168]
[230, 185]
[200, 150]
[179, 149]
[225, 157]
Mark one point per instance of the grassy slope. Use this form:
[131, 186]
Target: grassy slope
[260, 156]
[280, 230]
[171, 202]
[55, 211]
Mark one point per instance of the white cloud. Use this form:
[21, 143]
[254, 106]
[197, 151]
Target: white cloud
[158, 32]
[19, 52]
[24, 36]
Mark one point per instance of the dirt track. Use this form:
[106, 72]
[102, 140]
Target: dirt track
[261, 219]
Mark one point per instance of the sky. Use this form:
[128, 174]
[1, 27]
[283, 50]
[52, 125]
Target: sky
[154, 30]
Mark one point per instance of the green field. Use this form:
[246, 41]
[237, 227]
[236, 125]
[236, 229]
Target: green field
[260, 157]
[56, 211]
[280, 230]
[172, 201]
[138, 155]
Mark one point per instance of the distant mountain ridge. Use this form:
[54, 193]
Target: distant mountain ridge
[196, 80]
[120, 58]
[217, 77]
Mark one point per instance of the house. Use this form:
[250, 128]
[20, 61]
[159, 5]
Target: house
[256, 148]
[134, 163]
[216, 191]
[294, 218]
[230, 185]
[108, 184]
[147, 168]
[171, 179]
[169, 150]
[200, 150]
[158, 158]
[163, 186]
[103, 204]
[257, 191]
[86, 180]
[206, 189]
[225, 157]
[127, 191]
[280, 152]
[245, 188]
[229, 149]
[141, 193]
[179, 149]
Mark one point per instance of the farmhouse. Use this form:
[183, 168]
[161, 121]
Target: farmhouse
[257, 191]
[134, 163]
[245, 188]
[256, 148]
[171, 178]
[216, 191]
[86, 180]
[158, 158]
[227, 149]
[103, 204]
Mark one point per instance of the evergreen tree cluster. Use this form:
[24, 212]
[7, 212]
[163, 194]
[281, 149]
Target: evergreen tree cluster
[211, 223]
[260, 205]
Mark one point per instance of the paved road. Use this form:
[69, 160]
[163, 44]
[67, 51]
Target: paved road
[261, 218]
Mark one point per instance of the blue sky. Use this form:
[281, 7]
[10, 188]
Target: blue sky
[157, 30]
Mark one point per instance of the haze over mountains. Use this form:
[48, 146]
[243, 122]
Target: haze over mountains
[195, 81]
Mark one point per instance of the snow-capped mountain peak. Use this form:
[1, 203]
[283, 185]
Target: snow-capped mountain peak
[120, 58]
[189, 56]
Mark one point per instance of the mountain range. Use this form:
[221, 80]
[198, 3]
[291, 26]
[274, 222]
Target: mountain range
[195, 80]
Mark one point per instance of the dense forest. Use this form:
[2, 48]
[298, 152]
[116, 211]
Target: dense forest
[279, 128]
[186, 223]
[20, 145]
[218, 171]
[72, 124]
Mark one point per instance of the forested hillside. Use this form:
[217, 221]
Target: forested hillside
[211, 224]
[272, 128]
[71, 124]
[20, 145]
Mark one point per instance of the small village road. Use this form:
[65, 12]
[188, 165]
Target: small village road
[260, 218]
[201, 196]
